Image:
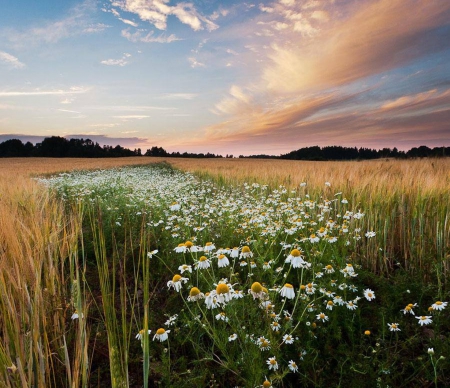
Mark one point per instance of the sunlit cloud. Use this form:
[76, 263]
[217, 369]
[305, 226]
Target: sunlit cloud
[156, 13]
[11, 60]
[179, 96]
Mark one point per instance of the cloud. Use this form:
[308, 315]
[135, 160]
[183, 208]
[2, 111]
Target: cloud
[179, 96]
[117, 62]
[11, 60]
[129, 117]
[149, 38]
[38, 92]
[156, 12]
[78, 21]
[194, 63]
[358, 46]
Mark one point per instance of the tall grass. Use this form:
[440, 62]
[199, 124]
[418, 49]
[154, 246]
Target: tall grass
[407, 202]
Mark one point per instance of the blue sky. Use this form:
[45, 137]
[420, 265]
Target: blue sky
[227, 77]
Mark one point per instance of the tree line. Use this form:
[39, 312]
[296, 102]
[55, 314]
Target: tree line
[60, 147]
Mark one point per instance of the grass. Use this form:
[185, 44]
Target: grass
[88, 254]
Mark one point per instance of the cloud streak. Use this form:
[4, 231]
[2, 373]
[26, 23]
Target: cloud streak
[11, 60]
[60, 92]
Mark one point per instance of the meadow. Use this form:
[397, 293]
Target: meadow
[233, 272]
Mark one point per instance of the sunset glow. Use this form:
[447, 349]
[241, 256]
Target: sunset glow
[227, 77]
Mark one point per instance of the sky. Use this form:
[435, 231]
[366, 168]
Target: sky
[228, 77]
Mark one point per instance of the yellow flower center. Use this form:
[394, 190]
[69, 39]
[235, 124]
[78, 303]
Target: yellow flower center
[188, 244]
[302, 287]
[245, 249]
[222, 288]
[295, 253]
[208, 244]
[330, 303]
[367, 332]
[266, 384]
[329, 266]
[181, 245]
[313, 236]
[176, 278]
[287, 285]
[257, 287]
[203, 258]
[194, 291]
[438, 303]
[221, 256]
[273, 362]
[322, 315]
[160, 331]
[408, 308]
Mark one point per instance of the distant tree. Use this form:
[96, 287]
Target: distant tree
[12, 148]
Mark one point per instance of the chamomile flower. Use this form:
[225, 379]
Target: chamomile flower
[321, 317]
[232, 337]
[275, 326]
[171, 320]
[272, 363]
[296, 259]
[287, 291]
[176, 282]
[288, 339]
[76, 315]
[223, 293]
[234, 253]
[209, 246]
[202, 263]
[222, 261]
[393, 326]
[263, 343]
[222, 317]
[351, 305]
[257, 291]
[439, 305]
[141, 333]
[293, 366]
[370, 234]
[424, 320]
[328, 269]
[409, 309]
[161, 335]
[195, 295]
[185, 268]
[369, 294]
[150, 254]
[246, 252]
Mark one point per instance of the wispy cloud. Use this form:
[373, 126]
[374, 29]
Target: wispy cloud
[304, 90]
[150, 37]
[38, 92]
[11, 60]
[117, 62]
[77, 22]
[131, 117]
[156, 13]
[179, 96]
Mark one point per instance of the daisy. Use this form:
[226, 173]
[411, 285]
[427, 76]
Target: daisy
[351, 305]
[369, 294]
[263, 343]
[329, 305]
[275, 326]
[203, 263]
[424, 320]
[393, 327]
[211, 300]
[181, 248]
[321, 317]
[222, 261]
[223, 293]
[370, 234]
[266, 265]
[232, 337]
[184, 268]
[328, 268]
[234, 253]
[209, 246]
[293, 366]
[257, 291]
[171, 320]
[176, 282]
[439, 305]
[76, 315]
[266, 384]
[246, 252]
[195, 294]
[287, 291]
[161, 335]
[288, 339]
[141, 333]
[314, 239]
[408, 309]
[272, 362]
[222, 317]
[150, 254]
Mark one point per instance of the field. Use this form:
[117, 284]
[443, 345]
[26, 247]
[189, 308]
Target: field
[232, 272]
